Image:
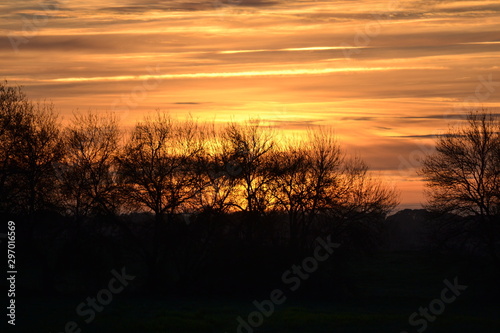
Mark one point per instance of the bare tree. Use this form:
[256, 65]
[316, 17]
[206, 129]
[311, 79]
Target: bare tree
[158, 170]
[15, 111]
[157, 165]
[313, 180]
[248, 146]
[87, 173]
[305, 178]
[291, 186]
[463, 175]
[30, 143]
[361, 203]
[218, 175]
[364, 194]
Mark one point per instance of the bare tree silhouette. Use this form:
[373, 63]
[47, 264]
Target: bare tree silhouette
[87, 173]
[158, 175]
[243, 192]
[305, 177]
[362, 202]
[219, 175]
[249, 145]
[463, 175]
[156, 165]
[314, 178]
[30, 144]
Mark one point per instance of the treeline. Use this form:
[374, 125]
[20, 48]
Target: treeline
[176, 198]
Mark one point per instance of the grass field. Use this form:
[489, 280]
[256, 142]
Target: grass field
[384, 290]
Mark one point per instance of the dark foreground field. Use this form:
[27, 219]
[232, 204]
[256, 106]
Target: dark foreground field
[381, 293]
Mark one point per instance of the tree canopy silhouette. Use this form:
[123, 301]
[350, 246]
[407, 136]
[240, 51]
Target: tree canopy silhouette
[179, 195]
[29, 145]
[463, 174]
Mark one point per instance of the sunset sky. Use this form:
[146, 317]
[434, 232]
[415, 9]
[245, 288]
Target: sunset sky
[387, 75]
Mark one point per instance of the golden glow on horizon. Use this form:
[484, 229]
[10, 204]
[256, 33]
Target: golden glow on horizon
[318, 48]
[285, 72]
[383, 82]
